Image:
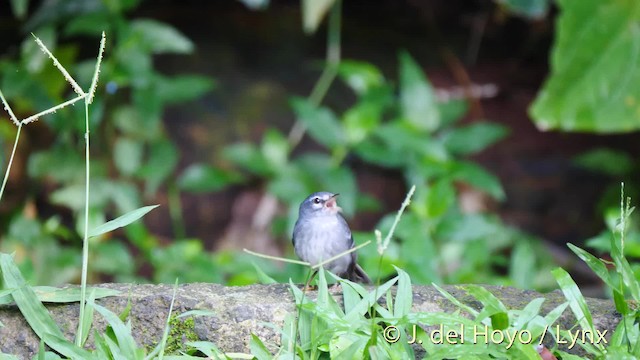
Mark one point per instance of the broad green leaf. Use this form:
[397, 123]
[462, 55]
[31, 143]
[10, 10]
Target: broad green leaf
[34, 311]
[161, 38]
[360, 76]
[476, 176]
[121, 221]
[321, 123]
[417, 98]
[246, 155]
[313, 11]
[198, 178]
[127, 155]
[594, 84]
[162, 161]
[275, 149]
[473, 138]
[182, 88]
[604, 160]
[360, 120]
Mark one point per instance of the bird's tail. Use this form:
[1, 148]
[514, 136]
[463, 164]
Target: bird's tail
[358, 275]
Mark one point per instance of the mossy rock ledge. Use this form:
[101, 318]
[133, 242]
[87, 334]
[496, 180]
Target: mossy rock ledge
[240, 311]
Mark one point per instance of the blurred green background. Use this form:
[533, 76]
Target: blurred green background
[230, 113]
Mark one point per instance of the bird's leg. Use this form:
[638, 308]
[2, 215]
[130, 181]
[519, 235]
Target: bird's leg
[308, 286]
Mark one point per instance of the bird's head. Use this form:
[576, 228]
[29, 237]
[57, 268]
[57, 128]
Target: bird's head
[320, 203]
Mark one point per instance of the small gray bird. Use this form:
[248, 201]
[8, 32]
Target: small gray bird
[321, 233]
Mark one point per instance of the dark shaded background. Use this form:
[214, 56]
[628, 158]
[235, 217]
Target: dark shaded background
[261, 58]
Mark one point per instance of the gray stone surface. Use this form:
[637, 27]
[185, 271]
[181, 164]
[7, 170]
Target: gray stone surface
[240, 311]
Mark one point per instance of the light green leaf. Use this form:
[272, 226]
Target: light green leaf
[404, 295]
[275, 149]
[51, 294]
[595, 69]
[258, 349]
[322, 124]
[127, 155]
[161, 38]
[182, 88]
[199, 178]
[577, 303]
[473, 138]
[417, 99]
[360, 76]
[478, 177]
[121, 221]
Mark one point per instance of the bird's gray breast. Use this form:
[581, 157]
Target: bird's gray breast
[319, 238]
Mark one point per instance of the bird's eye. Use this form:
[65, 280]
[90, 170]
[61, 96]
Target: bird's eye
[316, 200]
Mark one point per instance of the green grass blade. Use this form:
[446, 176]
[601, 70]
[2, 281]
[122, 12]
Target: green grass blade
[596, 265]
[167, 326]
[121, 221]
[33, 310]
[126, 345]
[88, 318]
[50, 294]
[404, 296]
[455, 301]
[66, 348]
[258, 349]
[262, 276]
[577, 302]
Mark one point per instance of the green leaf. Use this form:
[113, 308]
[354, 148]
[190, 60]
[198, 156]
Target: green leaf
[313, 11]
[51, 294]
[322, 124]
[417, 98]
[275, 149]
[262, 276]
[595, 69]
[163, 158]
[473, 138]
[608, 161]
[479, 178]
[127, 155]
[360, 120]
[182, 88]
[435, 200]
[34, 311]
[596, 265]
[160, 38]
[247, 156]
[121, 221]
[404, 295]
[576, 300]
[360, 76]
[258, 349]
[125, 342]
[200, 178]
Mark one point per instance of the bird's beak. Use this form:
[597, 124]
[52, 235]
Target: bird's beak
[331, 202]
